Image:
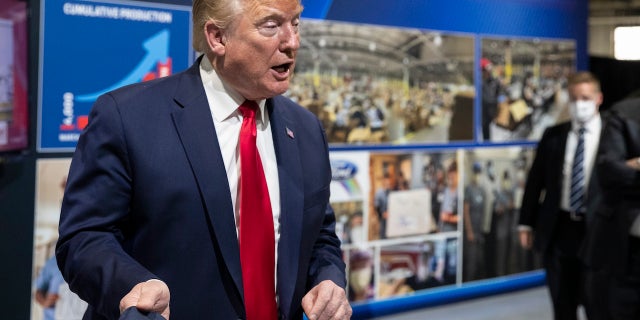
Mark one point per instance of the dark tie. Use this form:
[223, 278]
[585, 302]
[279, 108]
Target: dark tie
[576, 199]
[257, 239]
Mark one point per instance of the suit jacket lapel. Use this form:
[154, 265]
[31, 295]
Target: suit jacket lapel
[291, 202]
[194, 124]
[562, 146]
[593, 189]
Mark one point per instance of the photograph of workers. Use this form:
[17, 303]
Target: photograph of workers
[524, 86]
[493, 187]
[360, 274]
[413, 193]
[350, 226]
[413, 266]
[374, 85]
[349, 194]
[52, 298]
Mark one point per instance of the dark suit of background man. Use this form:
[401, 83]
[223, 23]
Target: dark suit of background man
[614, 244]
[548, 212]
[150, 214]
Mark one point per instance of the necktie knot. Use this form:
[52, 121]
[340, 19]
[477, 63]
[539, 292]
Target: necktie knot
[248, 109]
[581, 131]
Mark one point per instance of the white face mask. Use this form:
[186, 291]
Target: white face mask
[423, 269]
[356, 234]
[582, 111]
[359, 279]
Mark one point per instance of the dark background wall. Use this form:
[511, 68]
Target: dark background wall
[619, 79]
[17, 192]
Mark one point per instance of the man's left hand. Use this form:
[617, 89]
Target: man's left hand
[634, 163]
[326, 301]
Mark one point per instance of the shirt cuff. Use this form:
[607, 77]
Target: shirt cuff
[524, 227]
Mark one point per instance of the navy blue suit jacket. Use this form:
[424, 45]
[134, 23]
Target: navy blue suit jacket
[147, 197]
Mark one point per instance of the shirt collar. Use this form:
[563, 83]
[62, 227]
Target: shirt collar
[224, 100]
[591, 126]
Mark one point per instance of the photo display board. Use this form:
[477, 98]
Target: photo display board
[432, 110]
[94, 47]
[441, 106]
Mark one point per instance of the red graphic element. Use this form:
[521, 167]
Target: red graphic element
[82, 122]
[162, 70]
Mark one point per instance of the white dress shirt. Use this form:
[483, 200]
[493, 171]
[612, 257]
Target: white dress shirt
[591, 141]
[224, 103]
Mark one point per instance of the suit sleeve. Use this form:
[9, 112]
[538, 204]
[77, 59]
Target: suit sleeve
[615, 149]
[326, 260]
[94, 214]
[534, 186]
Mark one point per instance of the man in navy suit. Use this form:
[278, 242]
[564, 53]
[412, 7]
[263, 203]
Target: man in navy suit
[549, 210]
[151, 213]
[613, 245]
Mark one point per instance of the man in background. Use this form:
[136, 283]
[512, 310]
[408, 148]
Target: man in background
[449, 209]
[47, 285]
[612, 248]
[475, 198]
[381, 202]
[559, 196]
[502, 213]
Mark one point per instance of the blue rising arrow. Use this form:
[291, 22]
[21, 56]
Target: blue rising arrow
[157, 48]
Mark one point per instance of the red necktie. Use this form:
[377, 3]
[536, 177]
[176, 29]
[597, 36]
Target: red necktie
[257, 239]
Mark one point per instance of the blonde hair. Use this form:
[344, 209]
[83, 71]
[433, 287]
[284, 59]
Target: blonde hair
[221, 12]
[584, 77]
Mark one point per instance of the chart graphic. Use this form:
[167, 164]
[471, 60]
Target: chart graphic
[93, 48]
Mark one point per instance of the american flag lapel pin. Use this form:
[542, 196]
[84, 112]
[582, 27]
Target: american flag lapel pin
[289, 132]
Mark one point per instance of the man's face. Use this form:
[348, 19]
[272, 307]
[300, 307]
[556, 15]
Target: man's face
[386, 183]
[452, 176]
[260, 48]
[585, 99]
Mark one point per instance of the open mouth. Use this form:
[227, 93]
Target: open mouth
[282, 68]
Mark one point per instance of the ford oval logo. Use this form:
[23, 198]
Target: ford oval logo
[343, 170]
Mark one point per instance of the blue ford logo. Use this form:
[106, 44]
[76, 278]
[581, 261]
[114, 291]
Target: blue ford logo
[343, 170]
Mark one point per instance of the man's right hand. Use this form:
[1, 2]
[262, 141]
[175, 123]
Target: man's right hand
[471, 237]
[149, 296]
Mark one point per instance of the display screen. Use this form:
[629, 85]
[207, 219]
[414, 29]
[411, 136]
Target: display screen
[147, 41]
[14, 129]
